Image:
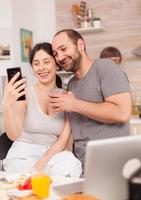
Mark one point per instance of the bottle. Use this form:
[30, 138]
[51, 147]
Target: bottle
[90, 15]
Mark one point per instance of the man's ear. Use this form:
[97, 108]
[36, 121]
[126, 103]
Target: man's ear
[81, 45]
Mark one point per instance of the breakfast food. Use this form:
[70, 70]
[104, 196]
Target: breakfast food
[26, 185]
[5, 184]
[80, 197]
[3, 195]
[9, 182]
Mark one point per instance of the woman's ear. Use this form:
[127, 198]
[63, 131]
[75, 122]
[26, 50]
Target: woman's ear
[81, 45]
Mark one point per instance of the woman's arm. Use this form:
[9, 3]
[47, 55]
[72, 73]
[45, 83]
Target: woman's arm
[13, 110]
[60, 145]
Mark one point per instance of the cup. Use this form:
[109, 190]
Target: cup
[57, 90]
[41, 185]
[51, 109]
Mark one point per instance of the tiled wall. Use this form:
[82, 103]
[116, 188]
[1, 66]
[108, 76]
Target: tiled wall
[121, 20]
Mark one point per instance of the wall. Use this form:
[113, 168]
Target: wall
[23, 16]
[121, 21]
[5, 13]
[5, 29]
[46, 20]
[35, 15]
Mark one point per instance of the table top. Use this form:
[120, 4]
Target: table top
[55, 181]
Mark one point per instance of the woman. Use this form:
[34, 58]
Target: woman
[113, 53]
[39, 134]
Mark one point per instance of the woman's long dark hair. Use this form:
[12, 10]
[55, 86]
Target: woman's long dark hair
[45, 46]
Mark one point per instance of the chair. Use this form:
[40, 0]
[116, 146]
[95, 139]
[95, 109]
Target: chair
[5, 144]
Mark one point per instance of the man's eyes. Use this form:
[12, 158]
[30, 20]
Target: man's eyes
[63, 49]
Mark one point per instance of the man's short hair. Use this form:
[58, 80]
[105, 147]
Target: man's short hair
[73, 35]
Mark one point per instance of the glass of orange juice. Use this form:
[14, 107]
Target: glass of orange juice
[41, 185]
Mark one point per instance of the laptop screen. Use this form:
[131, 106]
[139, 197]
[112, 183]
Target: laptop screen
[105, 160]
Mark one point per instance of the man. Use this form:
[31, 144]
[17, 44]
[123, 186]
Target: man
[99, 100]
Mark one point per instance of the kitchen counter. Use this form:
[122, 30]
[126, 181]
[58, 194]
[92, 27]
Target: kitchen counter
[135, 120]
[135, 125]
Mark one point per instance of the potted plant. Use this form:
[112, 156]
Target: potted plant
[97, 22]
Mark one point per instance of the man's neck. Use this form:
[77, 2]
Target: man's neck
[84, 67]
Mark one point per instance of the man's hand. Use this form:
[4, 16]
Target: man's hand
[63, 102]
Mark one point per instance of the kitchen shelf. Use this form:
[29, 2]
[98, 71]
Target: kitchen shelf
[89, 29]
[7, 57]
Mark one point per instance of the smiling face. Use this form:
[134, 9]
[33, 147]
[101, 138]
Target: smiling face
[67, 54]
[44, 67]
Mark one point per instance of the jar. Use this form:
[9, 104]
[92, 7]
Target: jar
[85, 23]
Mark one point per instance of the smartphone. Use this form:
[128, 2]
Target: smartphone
[10, 73]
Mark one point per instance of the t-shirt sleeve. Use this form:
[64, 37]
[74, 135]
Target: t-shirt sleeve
[112, 78]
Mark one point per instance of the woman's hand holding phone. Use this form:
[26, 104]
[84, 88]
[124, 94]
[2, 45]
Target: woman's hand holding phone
[15, 87]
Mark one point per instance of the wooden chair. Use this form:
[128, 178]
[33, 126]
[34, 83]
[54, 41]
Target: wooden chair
[5, 144]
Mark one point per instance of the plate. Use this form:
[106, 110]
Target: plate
[9, 181]
[69, 188]
[19, 193]
[61, 180]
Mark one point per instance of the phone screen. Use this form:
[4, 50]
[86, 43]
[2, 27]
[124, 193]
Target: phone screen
[10, 73]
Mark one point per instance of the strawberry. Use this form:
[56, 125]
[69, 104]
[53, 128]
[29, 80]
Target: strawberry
[26, 186]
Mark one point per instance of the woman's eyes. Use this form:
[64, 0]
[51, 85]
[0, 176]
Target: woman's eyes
[45, 62]
[35, 64]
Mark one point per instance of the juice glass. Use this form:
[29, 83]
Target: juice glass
[41, 185]
[51, 110]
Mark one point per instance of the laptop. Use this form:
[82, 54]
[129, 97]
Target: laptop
[104, 164]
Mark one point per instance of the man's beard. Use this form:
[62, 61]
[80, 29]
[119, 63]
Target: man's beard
[74, 65]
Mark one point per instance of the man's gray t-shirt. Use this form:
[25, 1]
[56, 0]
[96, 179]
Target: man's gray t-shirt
[103, 79]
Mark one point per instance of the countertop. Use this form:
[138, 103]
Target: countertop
[135, 120]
